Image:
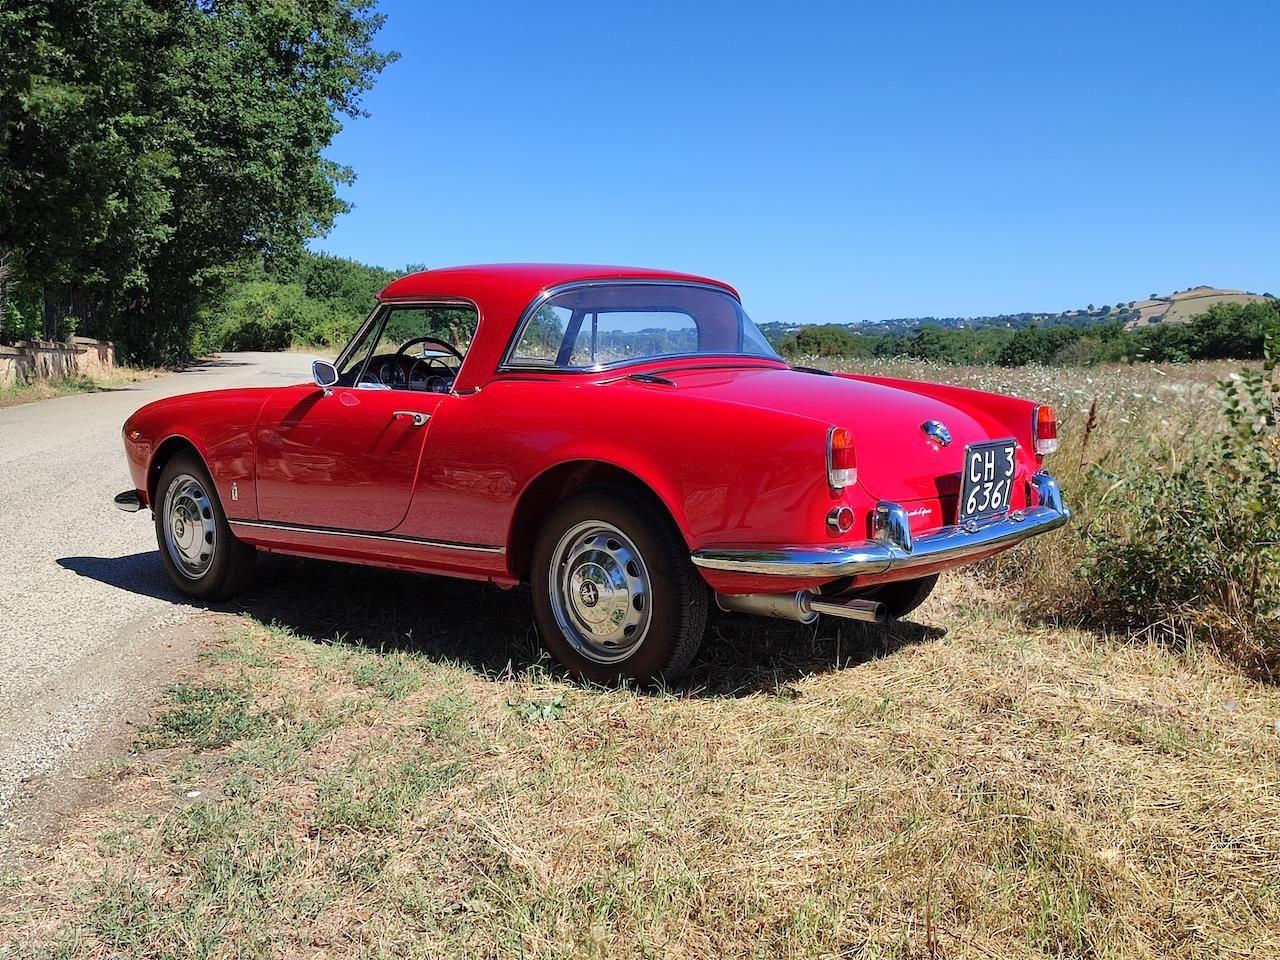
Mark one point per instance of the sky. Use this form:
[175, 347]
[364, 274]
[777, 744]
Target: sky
[835, 162]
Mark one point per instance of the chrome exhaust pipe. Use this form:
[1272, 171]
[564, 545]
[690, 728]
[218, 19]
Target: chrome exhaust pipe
[802, 606]
[784, 606]
[867, 611]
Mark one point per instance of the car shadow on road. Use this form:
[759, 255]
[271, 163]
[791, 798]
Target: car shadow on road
[491, 630]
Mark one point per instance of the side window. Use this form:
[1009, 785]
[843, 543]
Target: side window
[543, 336]
[454, 325]
[393, 353]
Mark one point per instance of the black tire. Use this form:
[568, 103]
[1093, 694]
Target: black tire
[902, 597]
[675, 598]
[227, 567]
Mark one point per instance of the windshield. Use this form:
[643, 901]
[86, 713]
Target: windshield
[599, 325]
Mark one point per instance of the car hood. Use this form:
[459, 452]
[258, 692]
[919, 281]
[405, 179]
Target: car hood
[896, 459]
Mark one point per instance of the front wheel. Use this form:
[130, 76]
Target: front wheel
[201, 555]
[614, 593]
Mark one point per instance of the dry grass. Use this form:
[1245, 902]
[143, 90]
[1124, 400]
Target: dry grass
[958, 786]
[373, 764]
[24, 392]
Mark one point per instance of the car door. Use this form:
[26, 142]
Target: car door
[345, 459]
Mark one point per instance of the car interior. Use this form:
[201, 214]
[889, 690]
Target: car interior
[411, 347]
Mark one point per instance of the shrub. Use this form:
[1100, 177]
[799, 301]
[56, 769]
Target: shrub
[19, 322]
[262, 316]
[1194, 543]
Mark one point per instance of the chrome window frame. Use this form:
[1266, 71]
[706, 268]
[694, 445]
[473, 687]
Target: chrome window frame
[509, 365]
[349, 348]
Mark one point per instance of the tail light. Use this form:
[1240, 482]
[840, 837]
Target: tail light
[842, 470]
[1045, 429]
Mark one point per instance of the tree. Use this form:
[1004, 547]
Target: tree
[147, 147]
[318, 299]
[830, 340]
[1234, 330]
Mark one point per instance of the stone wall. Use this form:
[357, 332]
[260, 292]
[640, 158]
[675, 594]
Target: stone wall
[48, 360]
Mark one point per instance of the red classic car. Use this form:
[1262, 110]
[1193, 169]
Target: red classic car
[623, 440]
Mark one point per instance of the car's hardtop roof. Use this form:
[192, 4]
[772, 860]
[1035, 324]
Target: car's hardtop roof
[519, 281]
[501, 292]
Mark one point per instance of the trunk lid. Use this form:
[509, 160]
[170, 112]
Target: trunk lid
[896, 459]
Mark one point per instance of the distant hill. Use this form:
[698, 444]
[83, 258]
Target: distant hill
[1174, 308]
[1182, 306]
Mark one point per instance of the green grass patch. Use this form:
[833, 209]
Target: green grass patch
[205, 714]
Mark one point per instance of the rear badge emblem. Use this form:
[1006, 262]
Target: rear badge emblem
[936, 431]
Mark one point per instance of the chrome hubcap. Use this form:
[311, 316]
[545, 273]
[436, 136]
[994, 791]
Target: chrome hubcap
[190, 534]
[600, 591]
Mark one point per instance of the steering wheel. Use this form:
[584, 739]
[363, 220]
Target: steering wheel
[434, 384]
[445, 344]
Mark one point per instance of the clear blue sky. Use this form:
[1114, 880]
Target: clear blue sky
[836, 162]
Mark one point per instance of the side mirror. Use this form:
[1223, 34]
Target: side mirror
[324, 373]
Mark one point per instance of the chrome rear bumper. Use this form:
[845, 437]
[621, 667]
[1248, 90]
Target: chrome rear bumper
[893, 547]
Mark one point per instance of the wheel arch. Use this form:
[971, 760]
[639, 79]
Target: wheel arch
[167, 449]
[554, 484]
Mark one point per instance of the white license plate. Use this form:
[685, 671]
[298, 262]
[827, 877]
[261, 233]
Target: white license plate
[988, 479]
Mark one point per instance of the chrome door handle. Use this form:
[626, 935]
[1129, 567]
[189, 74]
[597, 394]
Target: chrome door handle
[418, 418]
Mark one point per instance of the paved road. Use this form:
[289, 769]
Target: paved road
[89, 627]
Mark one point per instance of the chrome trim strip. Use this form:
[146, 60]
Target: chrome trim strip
[361, 535]
[879, 556]
[349, 347]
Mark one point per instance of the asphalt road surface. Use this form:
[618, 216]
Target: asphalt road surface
[90, 629]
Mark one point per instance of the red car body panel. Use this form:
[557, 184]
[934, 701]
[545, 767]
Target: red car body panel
[735, 449]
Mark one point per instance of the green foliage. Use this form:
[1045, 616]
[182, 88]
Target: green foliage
[261, 315]
[18, 321]
[538, 711]
[315, 299]
[1225, 330]
[544, 334]
[1198, 537]
[825, 341]
[148, 145]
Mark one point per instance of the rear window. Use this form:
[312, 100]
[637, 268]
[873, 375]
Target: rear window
[601, 325]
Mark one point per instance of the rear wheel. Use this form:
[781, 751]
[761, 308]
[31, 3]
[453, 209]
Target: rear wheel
[614, 592]
[201, 555]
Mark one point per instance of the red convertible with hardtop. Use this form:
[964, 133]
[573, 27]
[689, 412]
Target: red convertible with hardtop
[625, 441]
